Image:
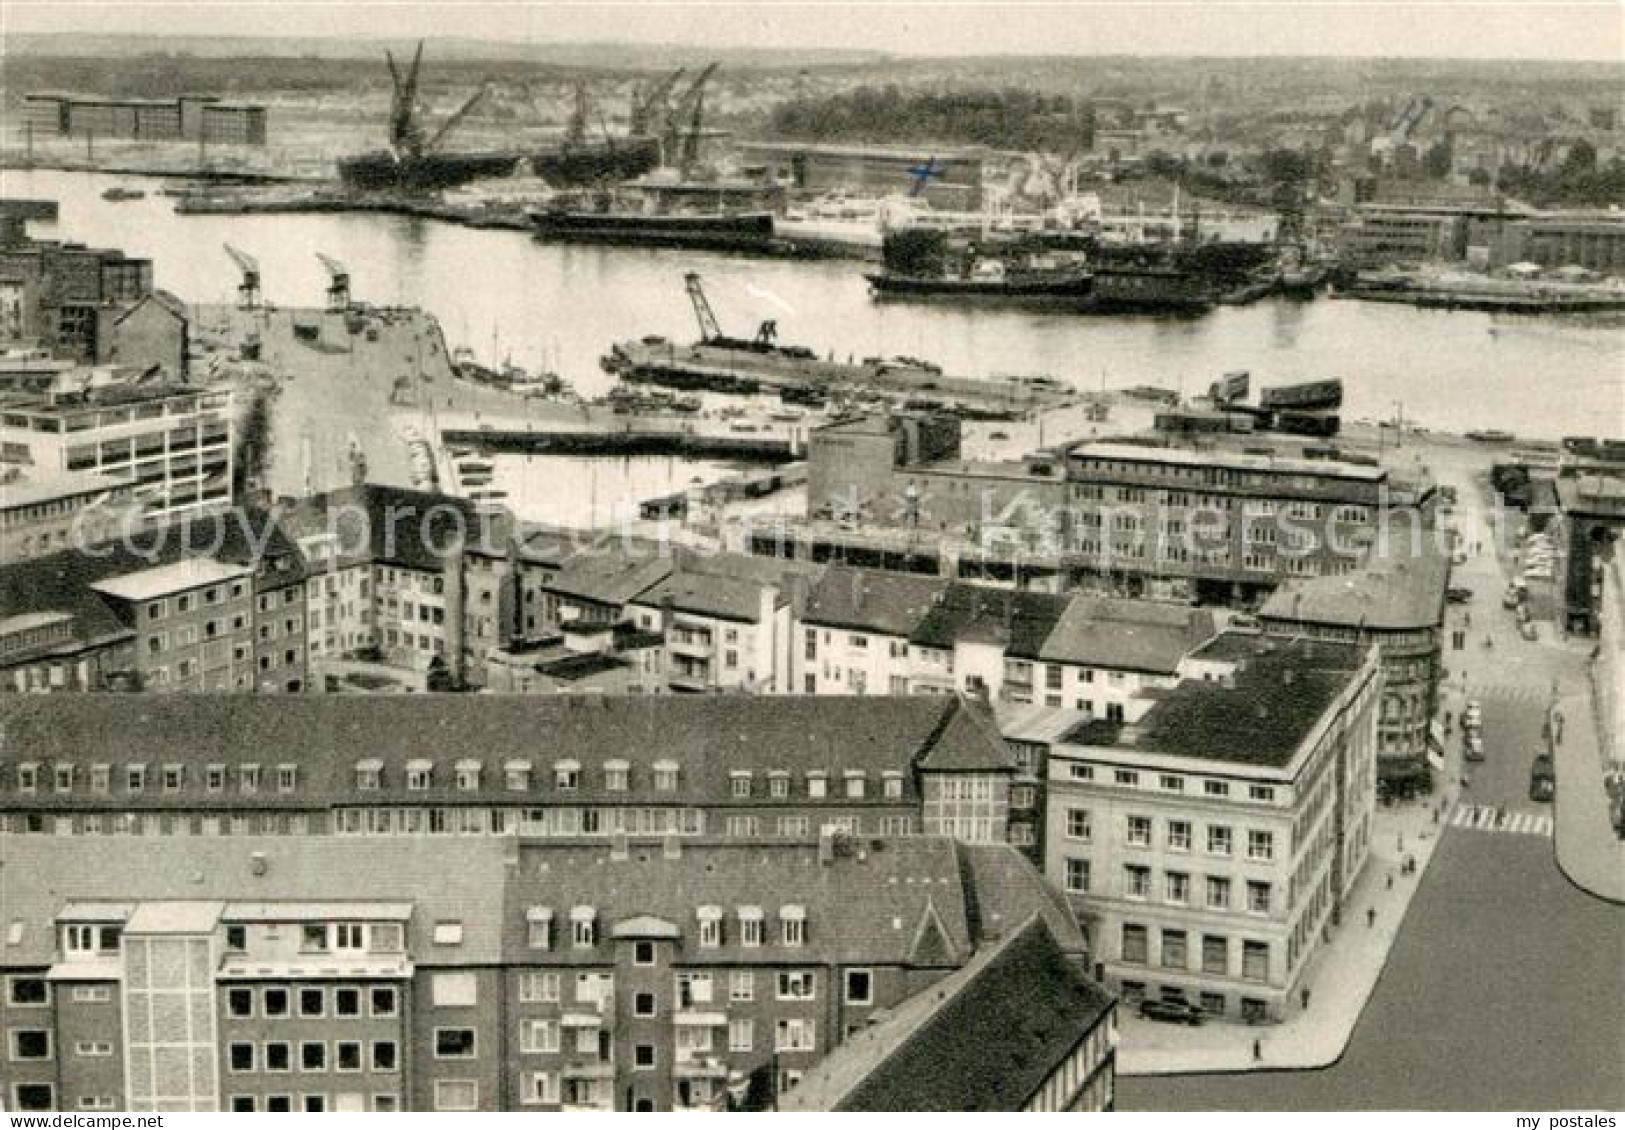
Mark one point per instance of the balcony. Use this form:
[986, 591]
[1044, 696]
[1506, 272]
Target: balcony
[699, 1066]
[692, 678]
[588, 1069]
[680, 642]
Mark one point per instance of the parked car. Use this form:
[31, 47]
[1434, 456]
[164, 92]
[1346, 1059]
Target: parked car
[1512, 597]
[1542, 777]
[1472, 747]
[1457, 595]
[1472, 716]
[1177, 1012]
[1528, 631]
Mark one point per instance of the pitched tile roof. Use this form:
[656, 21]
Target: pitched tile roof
[387, 525]
[1128, 635]
[985, 1037]
[872, 600]
[723, 598]
[609, 578]
[863, 902]
[326, 734]
[1017, 619]
[1399, 587]
[445, 878]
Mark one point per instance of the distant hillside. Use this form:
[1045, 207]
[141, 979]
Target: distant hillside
[597, 56]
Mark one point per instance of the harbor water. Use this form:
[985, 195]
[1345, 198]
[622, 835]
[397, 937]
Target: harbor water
[504, 295]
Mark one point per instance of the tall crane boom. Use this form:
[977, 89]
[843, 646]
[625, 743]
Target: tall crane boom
[338, 290]
[709, 330]
[405, 134]
[687, 108]
[248, 290]
[646, 102]
[457, 116]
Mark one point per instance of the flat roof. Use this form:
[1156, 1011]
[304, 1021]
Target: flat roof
[70, 484]
[1279, 464]
[162, 580]
[1259, 717]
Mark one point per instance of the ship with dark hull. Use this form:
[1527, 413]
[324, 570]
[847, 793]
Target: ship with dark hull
[415, 162]
[1035, 270]
[726, 231]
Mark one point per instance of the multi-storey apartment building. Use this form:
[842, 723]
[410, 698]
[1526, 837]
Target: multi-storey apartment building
[172, 442]
[1396, 601]
[855, 629]
[1019, 1028]
[244, 974]
[99, 620]
[1207, 845]
[344, 974]
[443, 765]
[193, 623]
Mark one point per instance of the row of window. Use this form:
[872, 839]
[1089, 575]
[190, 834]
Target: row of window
[276, 1002]
[279, 1056]
[186, 601]
[171, 777]
[1166, 782]
[309, 1103]
[1220, 839]
[1174, 952]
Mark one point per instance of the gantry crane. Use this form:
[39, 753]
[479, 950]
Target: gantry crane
[338, 288]
[248, 290]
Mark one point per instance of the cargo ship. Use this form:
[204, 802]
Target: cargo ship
[1035, 271]
[414, 162]
[562, 167]
[724, 231]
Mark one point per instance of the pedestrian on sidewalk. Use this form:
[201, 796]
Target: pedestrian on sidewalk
[1390, 880]
[1370, 916]
[1258, 1050]
[1305, 998]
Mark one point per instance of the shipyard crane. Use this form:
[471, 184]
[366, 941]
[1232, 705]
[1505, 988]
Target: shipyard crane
[649, 105]
[575, 133]
[457, 116]
[679, 147]
[248, 290]
[338, 289]
[406, 134]
[709, 330]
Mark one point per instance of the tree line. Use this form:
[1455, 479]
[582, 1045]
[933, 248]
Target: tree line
[1004, 118]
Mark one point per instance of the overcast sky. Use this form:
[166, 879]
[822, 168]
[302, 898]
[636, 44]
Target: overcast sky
[1499, 29]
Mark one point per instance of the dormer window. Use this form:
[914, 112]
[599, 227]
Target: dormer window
[313, 937]
[101, 777]
[710, 926]
[539, 927]
[419, 775]
[892, 784]
[214, 778]
[583, 927]
[750, 926]
[817, 784]
[63, 772]
[856, 784]
[617, 776]
[740, 780]
[349, 936]
[174, 777]
[468, 775]
[28, 777]
[287, 777]
[516, 776]
[249, 775]
[82, 938]
[665, 776]
[566, 775]
[388, 937]
[793, 924]
[369, 775]
[778, 784]
[135, 778]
